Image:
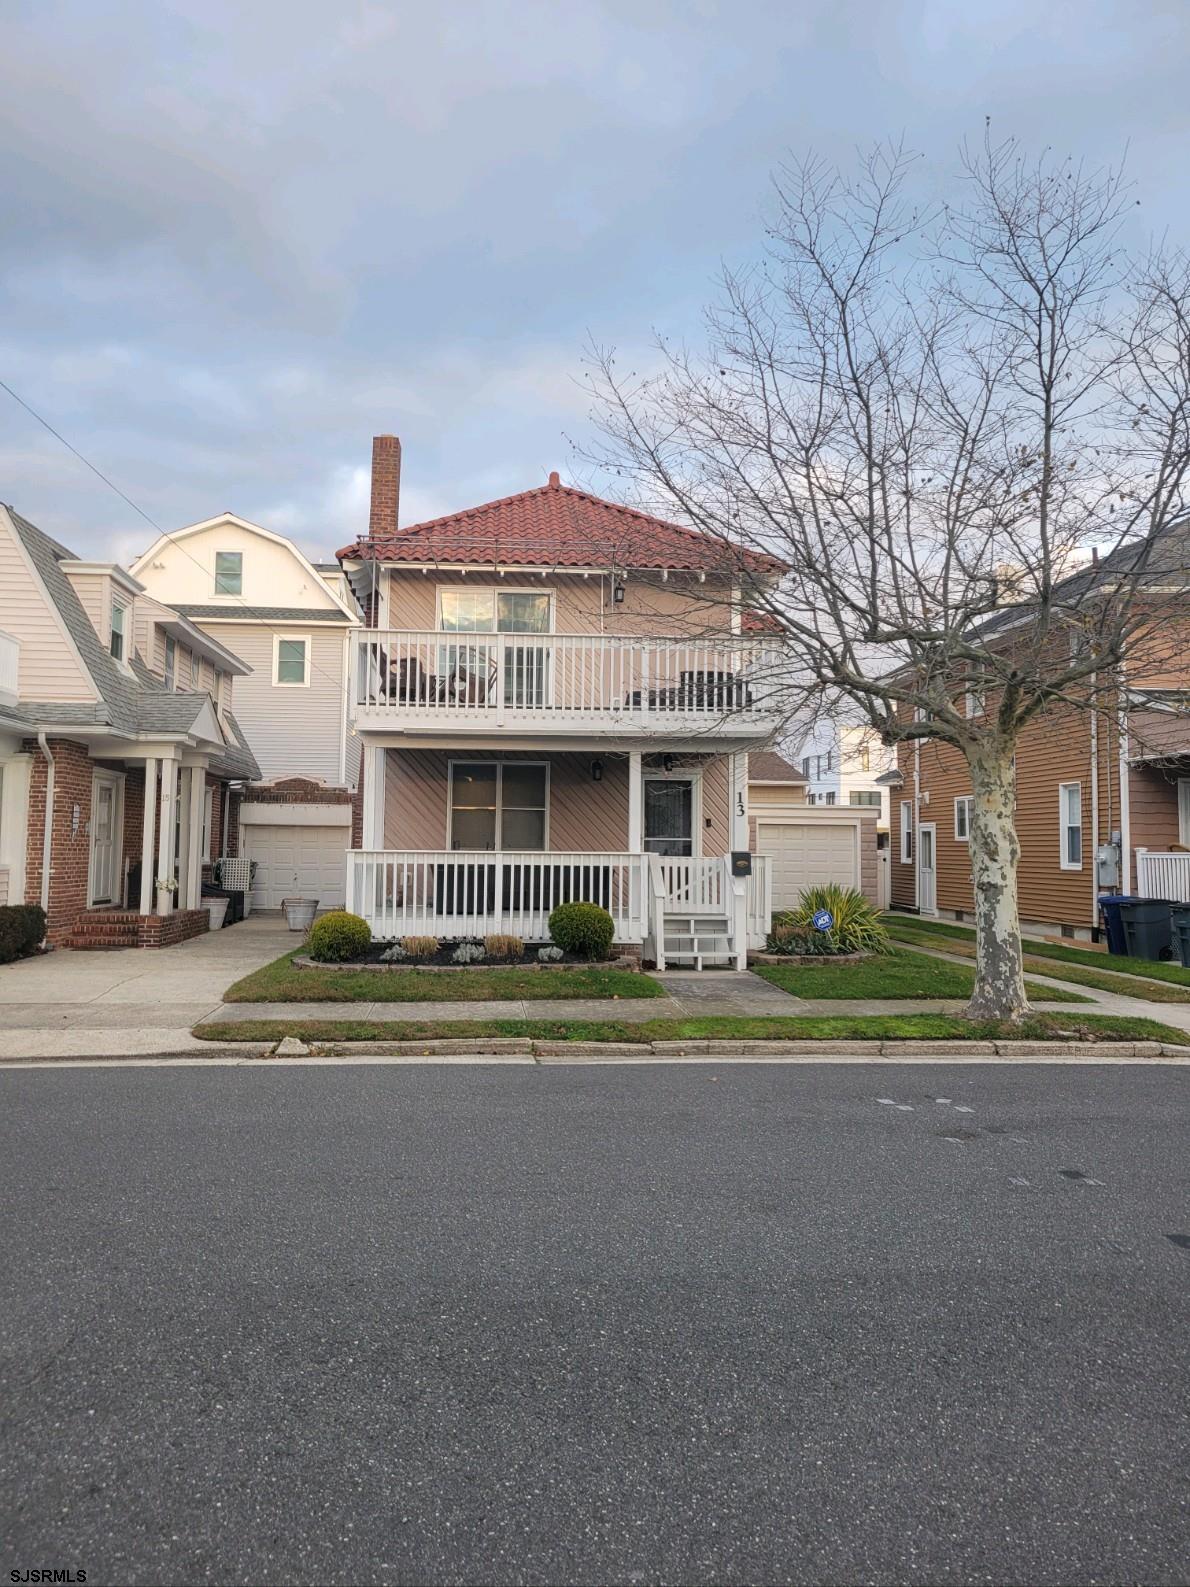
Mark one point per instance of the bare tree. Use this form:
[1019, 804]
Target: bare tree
[936, 420]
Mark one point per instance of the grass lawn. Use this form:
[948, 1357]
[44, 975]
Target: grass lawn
[282, 982]
[833, 1027]
[1170, 983]
[897, 974]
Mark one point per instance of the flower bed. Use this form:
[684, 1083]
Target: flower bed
[442, 962]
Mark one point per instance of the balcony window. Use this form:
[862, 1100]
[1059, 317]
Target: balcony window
[490, 611]
[474, 666]
[229, 573]
[498, 805]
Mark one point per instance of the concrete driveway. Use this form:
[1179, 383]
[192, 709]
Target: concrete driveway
[132, 990]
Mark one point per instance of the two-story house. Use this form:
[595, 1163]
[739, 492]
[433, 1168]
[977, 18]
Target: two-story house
[555, 701]
[842, 764]
[292, 622]
[120, 758]
[1102, 794]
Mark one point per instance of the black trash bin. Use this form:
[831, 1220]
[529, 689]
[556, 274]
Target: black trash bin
[1148, 928]
[1180, 918]
[1113, 926]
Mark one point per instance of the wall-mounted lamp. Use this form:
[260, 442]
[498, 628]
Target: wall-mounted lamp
[618, 594]
[596, 771]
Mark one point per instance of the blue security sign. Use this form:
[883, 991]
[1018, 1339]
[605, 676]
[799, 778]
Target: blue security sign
[822, 920]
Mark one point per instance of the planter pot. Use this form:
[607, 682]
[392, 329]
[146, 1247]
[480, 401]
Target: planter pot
[217, 909]
[299, 912]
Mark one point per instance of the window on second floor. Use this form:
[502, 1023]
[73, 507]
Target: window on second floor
[229, 572]
[962, 819]
[863, 796]
[171, 661]
[805, 765]
[865, 758]
[830, 798]
[195, 669]
[1070, 825]
[488, 611]
[906, 832]
[116, 642]
[291, 660]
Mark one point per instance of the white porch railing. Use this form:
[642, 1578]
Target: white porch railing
[448, 676]
[760, 900]
[694, 887]
[469, 893]
[1163, 875]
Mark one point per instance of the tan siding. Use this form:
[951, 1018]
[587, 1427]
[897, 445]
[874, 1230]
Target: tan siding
[1153, 811]
[93, 591]
[291, 731]
[761, 794]
[581, 606]
[716, 806]
[49, 669]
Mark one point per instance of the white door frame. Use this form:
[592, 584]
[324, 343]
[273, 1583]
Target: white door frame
[932, 828]
[692, 776]
[115, 895]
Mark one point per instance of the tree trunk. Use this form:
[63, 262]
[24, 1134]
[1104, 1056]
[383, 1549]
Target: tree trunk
[999, 977]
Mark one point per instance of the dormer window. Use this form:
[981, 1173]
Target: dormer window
[116, 642]
[171, 660]
[229, 572]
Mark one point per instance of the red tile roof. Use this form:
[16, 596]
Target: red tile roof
[760, 623]
[557, 527]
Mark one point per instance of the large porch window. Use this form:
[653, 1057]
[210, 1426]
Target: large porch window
[499, 805]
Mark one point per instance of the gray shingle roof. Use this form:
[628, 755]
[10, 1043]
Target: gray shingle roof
[131, 702]
[263, 614]
[237, 760]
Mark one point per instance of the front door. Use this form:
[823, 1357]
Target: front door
[926, 868]
[104, 809]
[669, 815]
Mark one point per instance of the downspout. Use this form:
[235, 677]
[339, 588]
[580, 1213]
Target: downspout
[1094, 809]
[47, 836]
[917, 824]
[1125, 810]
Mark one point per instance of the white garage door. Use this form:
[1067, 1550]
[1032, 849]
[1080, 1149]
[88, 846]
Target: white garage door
[807, 854]
[298, 862]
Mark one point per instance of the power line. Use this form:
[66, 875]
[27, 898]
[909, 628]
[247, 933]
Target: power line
[166, 534]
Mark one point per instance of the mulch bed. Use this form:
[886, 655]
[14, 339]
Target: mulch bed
[442, 962]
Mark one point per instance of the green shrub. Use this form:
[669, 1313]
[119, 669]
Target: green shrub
[802, 942]
[857, 927]
[22, 927]
[585, 930]
[338, 936]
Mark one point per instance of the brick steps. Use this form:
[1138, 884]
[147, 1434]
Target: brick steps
[99, 929]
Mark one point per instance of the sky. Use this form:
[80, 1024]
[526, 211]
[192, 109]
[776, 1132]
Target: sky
[240, 240]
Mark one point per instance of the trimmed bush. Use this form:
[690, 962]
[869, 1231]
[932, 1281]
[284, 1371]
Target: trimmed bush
[338, 936]
[22, 927]
[585, 930]
[857, 927]
[549, 954]
[469, 953]
[502, 945]
[419, 948]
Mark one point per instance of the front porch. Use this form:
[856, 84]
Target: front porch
[459, 844]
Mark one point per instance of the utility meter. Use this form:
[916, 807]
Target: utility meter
[1107, 862]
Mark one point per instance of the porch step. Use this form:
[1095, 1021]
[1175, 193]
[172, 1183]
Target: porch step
[105, 928]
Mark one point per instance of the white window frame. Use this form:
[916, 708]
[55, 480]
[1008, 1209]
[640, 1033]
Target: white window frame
[963, 802]
[228, 595]
[495, 590]
[119, 608]
[290, 683]
[1066, 826]
[169, 664]
[906, 832]
[484, 760]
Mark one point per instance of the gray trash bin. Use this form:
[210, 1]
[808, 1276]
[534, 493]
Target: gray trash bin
[299, 912]
[1148, 928]
[1180, 917]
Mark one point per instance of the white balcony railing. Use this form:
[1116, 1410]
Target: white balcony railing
[10, 663]
[469, 893]
[1163, 875]
[431, 675]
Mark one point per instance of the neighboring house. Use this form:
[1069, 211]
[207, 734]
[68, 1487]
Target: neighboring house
[842, 766]
[1102, 796]
[555, 701]
[292, 622]
[805, 845]
[119, 752]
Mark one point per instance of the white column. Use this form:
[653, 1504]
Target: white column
[165, 836]
[146, 847]
[738, 780]
[193, 847]
[636, 803]
[375, 758]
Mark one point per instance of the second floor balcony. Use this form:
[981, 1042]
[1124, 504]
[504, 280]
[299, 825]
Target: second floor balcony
[592, 684]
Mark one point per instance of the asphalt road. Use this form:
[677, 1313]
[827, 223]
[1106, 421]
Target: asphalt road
[627, 1325]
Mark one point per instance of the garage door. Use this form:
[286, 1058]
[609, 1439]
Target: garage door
[807, 854]
[297, 861]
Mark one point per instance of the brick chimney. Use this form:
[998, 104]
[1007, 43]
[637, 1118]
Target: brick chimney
[386, 485]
